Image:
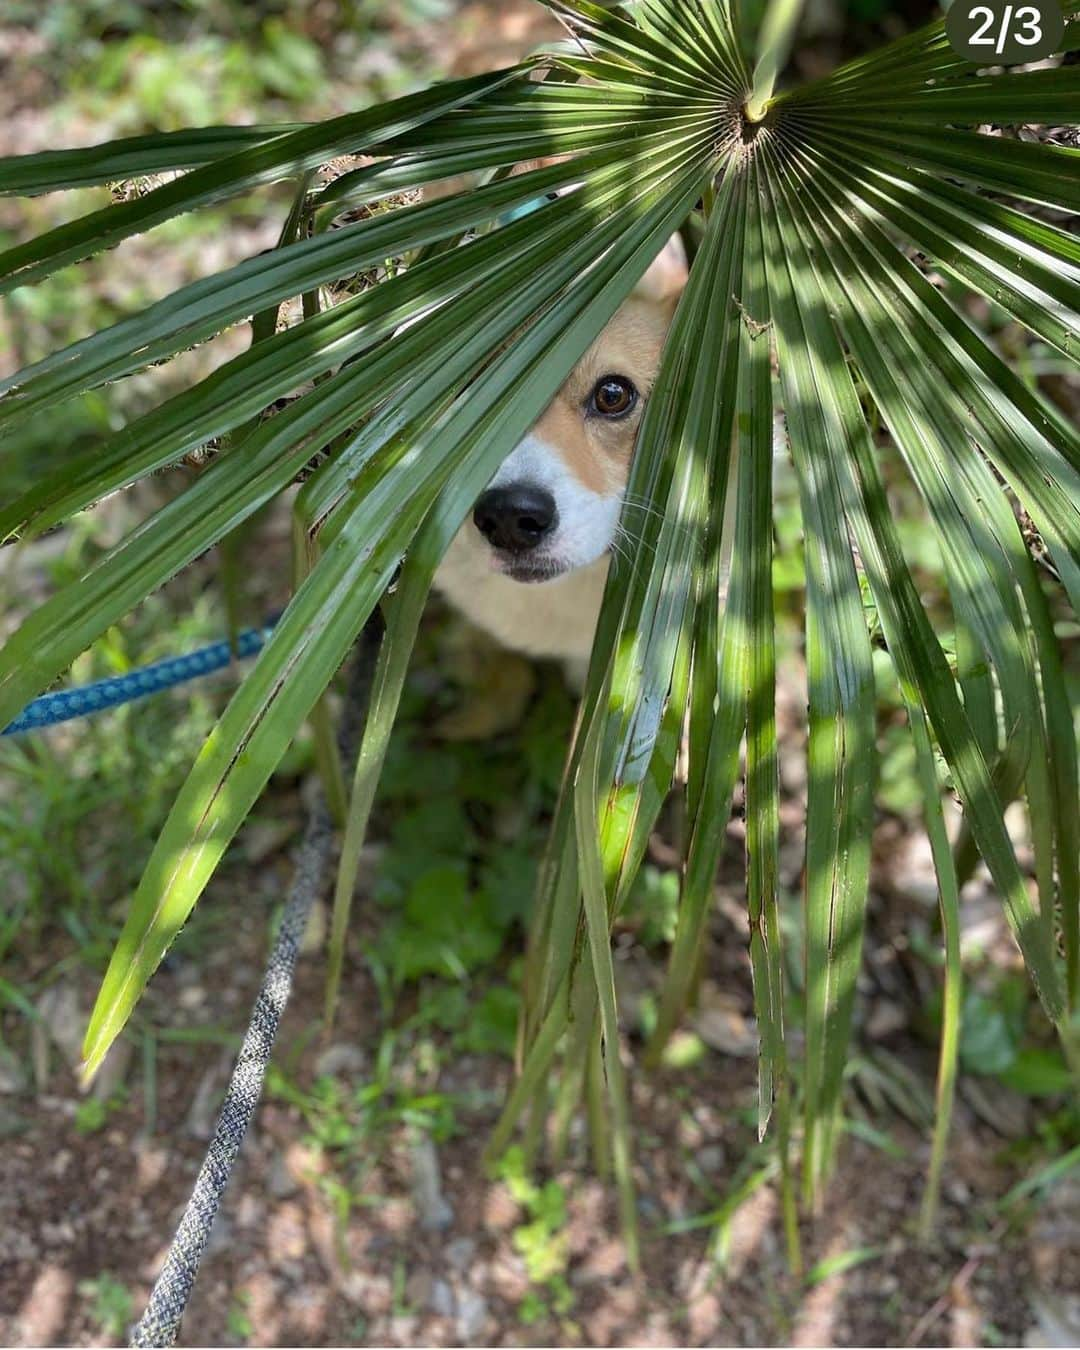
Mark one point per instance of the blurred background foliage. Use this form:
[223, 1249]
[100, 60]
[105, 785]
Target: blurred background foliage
[181, 63]
[78, 73]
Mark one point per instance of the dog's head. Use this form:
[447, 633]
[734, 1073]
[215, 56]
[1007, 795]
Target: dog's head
[554, 504]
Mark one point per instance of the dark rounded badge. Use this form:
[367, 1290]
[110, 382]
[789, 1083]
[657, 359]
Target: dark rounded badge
[999, 33]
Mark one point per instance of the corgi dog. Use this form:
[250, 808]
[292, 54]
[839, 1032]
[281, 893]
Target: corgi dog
[529, 566]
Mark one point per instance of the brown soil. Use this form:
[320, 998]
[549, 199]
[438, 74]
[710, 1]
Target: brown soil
[74, 1205]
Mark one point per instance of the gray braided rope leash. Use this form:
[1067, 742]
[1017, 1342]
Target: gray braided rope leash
[160, 1323]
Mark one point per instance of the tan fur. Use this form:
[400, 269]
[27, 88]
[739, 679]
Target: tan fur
[595, 450]
[557, 618]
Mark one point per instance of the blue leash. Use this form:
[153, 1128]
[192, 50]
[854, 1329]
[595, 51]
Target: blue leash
[65, 704]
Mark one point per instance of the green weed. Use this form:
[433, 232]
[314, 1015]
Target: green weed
[93, 1115]
[541, 1242]
[111, 1304]
[238, 1324]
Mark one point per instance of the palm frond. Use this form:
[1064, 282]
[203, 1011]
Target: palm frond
[133, 157]
[829, 219]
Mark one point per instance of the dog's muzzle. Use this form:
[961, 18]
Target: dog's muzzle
[517, 517]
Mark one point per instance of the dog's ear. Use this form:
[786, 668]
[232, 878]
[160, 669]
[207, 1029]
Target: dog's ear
[666, 275]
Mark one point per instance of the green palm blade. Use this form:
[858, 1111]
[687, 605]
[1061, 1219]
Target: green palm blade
[809, 219]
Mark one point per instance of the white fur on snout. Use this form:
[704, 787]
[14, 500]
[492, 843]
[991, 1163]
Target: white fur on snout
[587, 521]
[548, 618]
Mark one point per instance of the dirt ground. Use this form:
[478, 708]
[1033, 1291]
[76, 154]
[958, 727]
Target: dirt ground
[431, 1257]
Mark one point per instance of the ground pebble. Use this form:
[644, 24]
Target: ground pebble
[206, 1101]
[12, 1075]
[61, 1020]
[471, 1316]
[418, 1289]
[280, 1182]
[441, 1299]
[343, 1059]
[431, 1205]
[221, 1236]
[460, 1252]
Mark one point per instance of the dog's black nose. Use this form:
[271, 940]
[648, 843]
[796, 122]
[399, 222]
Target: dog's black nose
[516, 517]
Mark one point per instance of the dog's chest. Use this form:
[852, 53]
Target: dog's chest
[555, 619]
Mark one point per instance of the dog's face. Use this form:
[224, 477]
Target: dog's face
[554, 504]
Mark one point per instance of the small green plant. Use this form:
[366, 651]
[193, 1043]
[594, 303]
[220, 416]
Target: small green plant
[93, 1114]
[466, 824]
[842, 1262]
[476, 1023]
[111, 1304]
[995, 1042]
[351, 1121]
[653, 905]
[492, 1023]
[63, 863]
[238, 1324]
[542, 1242]
[343, 1119]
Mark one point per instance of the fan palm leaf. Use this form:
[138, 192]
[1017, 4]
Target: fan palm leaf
[827, 218]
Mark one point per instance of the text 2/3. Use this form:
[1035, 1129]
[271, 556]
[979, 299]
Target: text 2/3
[1028, 31]
[1006, 32]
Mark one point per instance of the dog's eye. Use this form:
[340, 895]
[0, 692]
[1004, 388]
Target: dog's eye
[614, 396]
